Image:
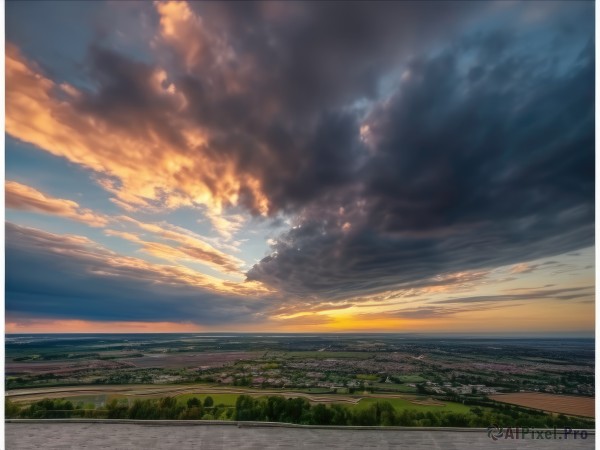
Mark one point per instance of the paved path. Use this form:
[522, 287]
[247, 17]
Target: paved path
[207, 437]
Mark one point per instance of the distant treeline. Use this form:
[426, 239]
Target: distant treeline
[294, 410]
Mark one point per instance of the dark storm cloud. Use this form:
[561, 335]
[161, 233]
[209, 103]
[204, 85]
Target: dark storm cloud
[283, 109]
[484, 156]
[69, 277]
[315, 55]
[124, 96]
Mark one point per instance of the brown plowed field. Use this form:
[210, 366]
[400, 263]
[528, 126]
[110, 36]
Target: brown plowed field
[565, 404]
[154, 360]
[177, 360]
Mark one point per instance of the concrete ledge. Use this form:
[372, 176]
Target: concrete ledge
[243, 424]
[127, 422]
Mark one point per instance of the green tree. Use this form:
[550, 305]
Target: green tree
[11, 409]
[274, 408]
[194, 413]
[117, 410]
[167, 403]
[364, 417]
[339, 415]
[245, 408]
[321, 415]
[295, 409]
[193, 402]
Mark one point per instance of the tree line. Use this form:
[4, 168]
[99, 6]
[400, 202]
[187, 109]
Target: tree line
[292, 410]
[382, 413]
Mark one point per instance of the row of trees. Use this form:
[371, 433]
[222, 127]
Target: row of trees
[293, 410]
[163, 408]
[299, 410]
[169, 408]
[43, 409]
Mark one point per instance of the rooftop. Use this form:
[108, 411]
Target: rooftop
[177, 435]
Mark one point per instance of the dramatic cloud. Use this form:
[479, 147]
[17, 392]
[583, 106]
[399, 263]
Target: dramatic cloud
[127, 131]
[481, 158]
[26, 198]
[258, 115]
[529, 294]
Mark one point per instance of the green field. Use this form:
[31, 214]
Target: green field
[401, 404]
[229, 400]
[398, 403]
[411, 378]
[393, 387]
[368, 377]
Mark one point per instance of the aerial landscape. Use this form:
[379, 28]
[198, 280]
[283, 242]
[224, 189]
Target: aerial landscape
[303, 214]
[319, 379]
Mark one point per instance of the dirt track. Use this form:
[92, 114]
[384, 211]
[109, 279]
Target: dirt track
[22, 395]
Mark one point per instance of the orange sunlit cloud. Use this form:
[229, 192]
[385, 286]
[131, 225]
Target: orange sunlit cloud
[141, 165]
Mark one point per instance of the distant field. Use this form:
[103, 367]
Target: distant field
[565, 404]
[129, 361]
[177, 360]
[63, 368]
[328, 355]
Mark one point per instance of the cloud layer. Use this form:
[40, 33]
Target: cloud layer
[70, 277]
[403, 143]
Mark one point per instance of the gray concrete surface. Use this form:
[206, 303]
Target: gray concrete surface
[36, 435]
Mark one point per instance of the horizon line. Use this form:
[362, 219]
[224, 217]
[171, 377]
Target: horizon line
[438, 334]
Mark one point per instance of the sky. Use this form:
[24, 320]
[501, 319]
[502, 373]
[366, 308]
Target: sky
[399, 167]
